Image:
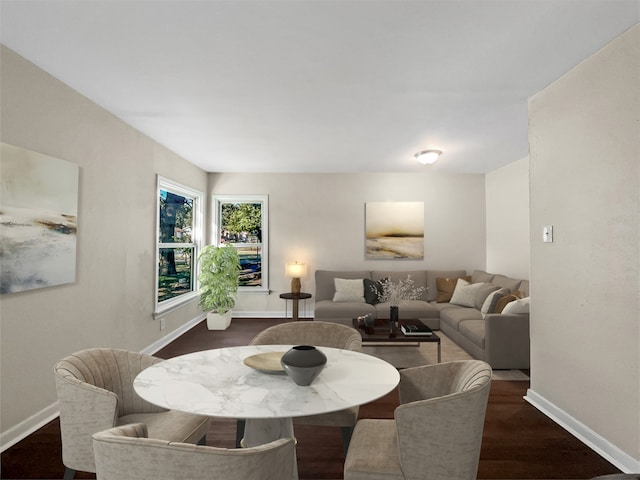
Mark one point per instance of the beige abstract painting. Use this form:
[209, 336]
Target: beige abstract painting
[394, 230]
[38, 220]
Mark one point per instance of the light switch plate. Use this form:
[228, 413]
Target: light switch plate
[547, 233]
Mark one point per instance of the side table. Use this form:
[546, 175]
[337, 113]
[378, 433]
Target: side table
[295, 299]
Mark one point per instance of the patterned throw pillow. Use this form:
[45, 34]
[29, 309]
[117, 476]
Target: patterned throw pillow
[348, 290]
[371, 289]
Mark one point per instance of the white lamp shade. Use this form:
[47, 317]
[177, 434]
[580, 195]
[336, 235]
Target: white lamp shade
[296, 270]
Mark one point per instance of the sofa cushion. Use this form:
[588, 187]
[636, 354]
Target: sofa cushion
[483, 292]
[453, 316]
[409, 310]
[446, 286]
[511, 283]
[480, 276]
[349, 290]
[491, 302]
[524, 287]
[433, 275]
[325, 286]
[419, 278]
[517, 306]
[328, 309]
[474, 330]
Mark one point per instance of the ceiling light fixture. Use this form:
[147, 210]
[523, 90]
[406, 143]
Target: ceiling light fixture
[427, 157]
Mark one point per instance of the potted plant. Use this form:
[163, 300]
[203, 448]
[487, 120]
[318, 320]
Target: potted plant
[219, 273]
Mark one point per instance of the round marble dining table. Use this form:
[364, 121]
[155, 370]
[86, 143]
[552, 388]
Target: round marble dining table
[218, 383]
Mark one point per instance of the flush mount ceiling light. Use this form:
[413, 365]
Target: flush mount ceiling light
[427, 157]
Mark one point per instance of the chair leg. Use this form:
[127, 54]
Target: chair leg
[69, 473]
[346, 438]
[239, 432]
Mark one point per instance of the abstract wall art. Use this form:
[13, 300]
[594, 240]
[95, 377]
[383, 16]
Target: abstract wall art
[394, 230]
[38, 220]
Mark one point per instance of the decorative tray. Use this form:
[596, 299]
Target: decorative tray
[268, 362]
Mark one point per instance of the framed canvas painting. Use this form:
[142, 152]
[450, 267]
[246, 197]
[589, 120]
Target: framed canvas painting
[38, 220]
[394, 230]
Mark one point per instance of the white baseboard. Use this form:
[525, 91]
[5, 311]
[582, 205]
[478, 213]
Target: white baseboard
[597, 443]
[270, 314]
[28, 426]
[44, 416]
[170, 337]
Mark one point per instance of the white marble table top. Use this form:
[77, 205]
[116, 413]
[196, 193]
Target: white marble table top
[217, 383]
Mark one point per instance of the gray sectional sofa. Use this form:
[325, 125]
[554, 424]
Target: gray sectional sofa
[500, 339]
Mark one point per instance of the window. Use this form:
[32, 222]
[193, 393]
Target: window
[178, 244]
[242, 220]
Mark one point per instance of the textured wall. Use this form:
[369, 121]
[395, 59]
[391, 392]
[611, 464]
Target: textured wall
[585, 181]
[319, 219]
[112, 300]
[508, 219]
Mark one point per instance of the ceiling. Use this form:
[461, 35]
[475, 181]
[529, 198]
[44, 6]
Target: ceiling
[318, 85]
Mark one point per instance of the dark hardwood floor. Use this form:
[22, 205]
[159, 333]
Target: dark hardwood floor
[519, 442]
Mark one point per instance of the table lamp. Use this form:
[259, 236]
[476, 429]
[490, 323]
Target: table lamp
[295, 271]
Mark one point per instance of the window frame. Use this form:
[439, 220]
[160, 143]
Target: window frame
[217, 202]
[197, 241]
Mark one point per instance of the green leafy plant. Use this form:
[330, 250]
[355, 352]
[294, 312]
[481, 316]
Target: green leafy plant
[219, 272]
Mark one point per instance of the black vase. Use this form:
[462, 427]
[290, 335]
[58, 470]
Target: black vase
[393, 317]
[303, 363]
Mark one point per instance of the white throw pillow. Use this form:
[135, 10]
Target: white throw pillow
[517, 306]
[348, 290]
[465, 293]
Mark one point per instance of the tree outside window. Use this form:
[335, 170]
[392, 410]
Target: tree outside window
[241, 220]
[179, 225]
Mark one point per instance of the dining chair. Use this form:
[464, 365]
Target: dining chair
[436, 432]
[319, 334]
[126, 453]
[95, 392]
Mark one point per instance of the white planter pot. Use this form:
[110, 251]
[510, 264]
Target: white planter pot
[217, 321]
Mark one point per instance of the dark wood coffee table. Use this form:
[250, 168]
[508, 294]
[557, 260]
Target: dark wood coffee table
[381, 333]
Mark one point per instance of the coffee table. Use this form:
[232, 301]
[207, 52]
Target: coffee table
[382, 333]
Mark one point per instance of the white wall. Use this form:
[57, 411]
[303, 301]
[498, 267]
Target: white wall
[585, 181]
[112, 300]
[318, 219]
[507, 207]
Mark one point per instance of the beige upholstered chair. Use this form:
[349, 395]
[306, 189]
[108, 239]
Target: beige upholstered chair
[125, 453]
[437, 430]
[319, 334]
[95, 392]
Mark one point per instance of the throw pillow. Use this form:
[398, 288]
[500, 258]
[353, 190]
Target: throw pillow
[348, 290]
[517, 306]
[465, 293]
[490, 303]
[371, 289]
[483, 292]
[506, 299]
[446, 286]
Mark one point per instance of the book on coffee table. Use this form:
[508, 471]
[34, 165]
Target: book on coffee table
[416, 330]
